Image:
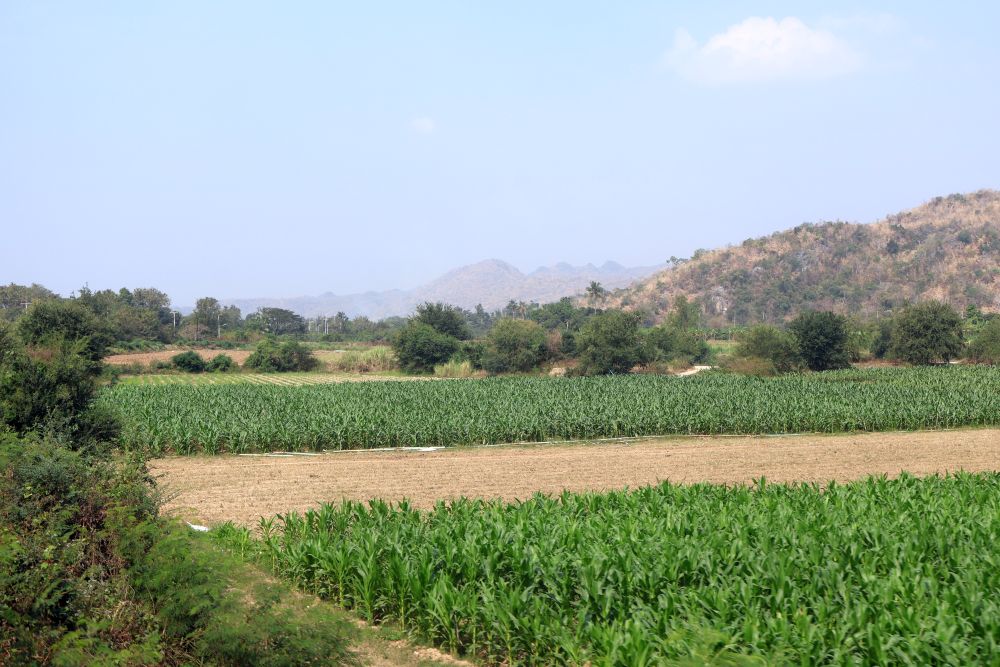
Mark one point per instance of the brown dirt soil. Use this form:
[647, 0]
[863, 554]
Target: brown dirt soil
[147, 358]
[240, 488]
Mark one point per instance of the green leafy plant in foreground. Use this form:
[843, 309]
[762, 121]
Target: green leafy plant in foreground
[875, 572]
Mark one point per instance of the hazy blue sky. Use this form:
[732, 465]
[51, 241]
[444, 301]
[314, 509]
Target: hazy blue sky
[247, 149]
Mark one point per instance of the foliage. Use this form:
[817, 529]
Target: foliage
[245, 417]
[668, 343]
[277, 322]
[927, 332]
[444, 319]
[562, 315]
[821, 339]
[221, 363]
[51, 321]
[50, 388]
[795, 574]
[882, 340]
[514, 346]
[63, 589]
[609, 343]
[777, 347]
[420, 347]
[272, 357]
[985, 347]
[189, 362]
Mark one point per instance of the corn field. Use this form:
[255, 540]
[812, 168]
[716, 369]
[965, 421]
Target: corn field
[875, 572]
[246, 418]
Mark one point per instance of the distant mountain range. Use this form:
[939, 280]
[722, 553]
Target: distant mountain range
[947, 249]
[491, 283]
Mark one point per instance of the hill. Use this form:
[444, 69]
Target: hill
[947, 249]
[491, 283]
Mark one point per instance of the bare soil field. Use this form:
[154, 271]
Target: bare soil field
[243, 488]
[147, 358]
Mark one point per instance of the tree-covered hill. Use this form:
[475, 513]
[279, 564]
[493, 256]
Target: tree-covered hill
[947, 249]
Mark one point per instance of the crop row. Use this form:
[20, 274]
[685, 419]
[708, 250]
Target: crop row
[244, 418]
[875, 572]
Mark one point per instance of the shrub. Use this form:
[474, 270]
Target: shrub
[927, 332]
[514, 345]
[420, 347]
[189, 362]
[221, 363]
[767, 343]
[610, 343]
[985, 347]
[821, 338]
[272, 357]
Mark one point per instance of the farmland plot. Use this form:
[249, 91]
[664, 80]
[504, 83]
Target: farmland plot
[875, 572]
[246, 418]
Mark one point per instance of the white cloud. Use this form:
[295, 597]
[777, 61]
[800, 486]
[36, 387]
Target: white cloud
[423, 125]
[762, 50]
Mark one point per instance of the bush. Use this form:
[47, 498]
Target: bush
[927, 332]
[189, 362]
[221, 363]
[769, 344]
[514, 345]
[821, 339]
[610, 343]
[50, 388]
[420, 347]
[272, 357]
[985, 347]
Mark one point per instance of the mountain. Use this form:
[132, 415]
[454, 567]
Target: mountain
[947, 249]
[492, 283]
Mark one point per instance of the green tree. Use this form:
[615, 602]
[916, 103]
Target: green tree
[610, 343]
[420, 347]
[444, 319]
[770, 343]
[822, 340]
[514, 345]
[596, 291]
[685, 314]
[927, 332]
[985, 347]
[56, 320]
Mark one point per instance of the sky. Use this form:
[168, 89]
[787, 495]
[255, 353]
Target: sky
[277, 149]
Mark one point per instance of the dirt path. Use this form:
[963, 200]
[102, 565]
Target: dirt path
[214, 489]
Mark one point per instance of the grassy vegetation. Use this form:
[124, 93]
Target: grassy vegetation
[369, 360]
[244, 418]
[850, 574]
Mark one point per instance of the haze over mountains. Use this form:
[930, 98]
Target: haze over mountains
[947, 249]
[492, 283]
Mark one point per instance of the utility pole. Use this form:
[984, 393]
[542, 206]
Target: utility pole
[26, 304]
[174, 313]
[326, 324]
[218, 322]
